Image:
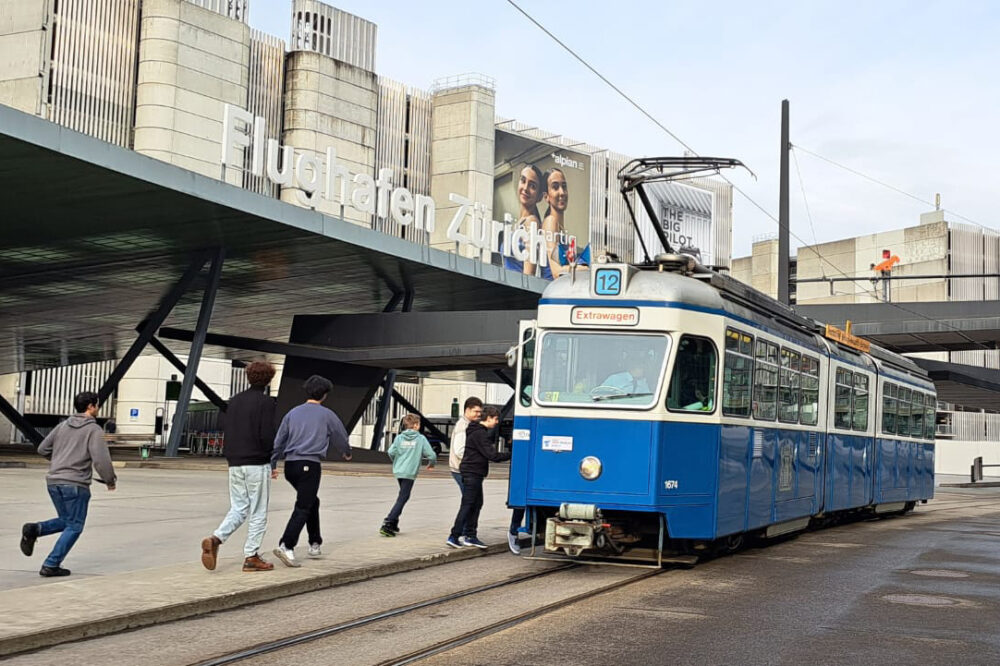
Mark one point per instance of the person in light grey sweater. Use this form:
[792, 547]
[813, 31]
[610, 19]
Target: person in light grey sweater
[73, 446]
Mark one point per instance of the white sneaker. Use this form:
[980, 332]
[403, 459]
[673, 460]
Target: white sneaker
[512, 544]
[315, 550]
[286, 555]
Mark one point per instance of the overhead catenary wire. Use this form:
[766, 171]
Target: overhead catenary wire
[805, 201]
[886, 185]
[655, 121]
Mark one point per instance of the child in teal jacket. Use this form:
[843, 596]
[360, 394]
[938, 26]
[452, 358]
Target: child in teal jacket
[407, 451]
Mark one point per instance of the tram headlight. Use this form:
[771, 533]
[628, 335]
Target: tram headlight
[590, 468]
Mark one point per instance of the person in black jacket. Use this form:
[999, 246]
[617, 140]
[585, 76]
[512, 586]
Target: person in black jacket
[249, 439]
[479, 451]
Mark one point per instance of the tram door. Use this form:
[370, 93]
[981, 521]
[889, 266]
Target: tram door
[522, 358]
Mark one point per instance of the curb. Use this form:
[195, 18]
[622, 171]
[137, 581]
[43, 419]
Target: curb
[119, 623]
[12, 464]
[977, 484]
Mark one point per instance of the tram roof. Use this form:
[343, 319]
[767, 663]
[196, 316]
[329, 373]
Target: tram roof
[94, 235]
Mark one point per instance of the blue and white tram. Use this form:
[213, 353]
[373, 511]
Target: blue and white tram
[662, 413]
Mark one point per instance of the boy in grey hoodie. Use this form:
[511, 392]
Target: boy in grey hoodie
[407, 451]
[74, 446]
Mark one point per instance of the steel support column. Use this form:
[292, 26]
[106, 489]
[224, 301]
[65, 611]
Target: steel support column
[507, 408]
[504, 378]
[194, 356]
[151, 324]
[21, 423]
[431, 428]
[388, 386]
[165, 352]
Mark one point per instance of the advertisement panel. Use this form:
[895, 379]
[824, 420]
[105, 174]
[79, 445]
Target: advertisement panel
[686, 217]
[541, 192]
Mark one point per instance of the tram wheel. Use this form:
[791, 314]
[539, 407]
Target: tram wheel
[733, 543]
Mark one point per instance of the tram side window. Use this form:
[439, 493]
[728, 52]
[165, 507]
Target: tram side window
[917, 414]
[889, 408]
[930, 415]
[809, 411]
[903, 422]
[527, 367]
[692, 386]
[788, 391]
[842, 399]
[860, 421]
[765, 382]
[737, 373]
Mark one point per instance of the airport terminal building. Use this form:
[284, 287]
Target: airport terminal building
[937, 260]
[310, 123]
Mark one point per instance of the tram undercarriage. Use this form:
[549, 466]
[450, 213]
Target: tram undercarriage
[585, 533]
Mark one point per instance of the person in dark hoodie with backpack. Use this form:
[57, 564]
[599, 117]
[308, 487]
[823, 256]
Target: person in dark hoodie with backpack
[479, 452]
[74, 447]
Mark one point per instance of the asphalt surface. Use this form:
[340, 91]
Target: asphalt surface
[920, 589]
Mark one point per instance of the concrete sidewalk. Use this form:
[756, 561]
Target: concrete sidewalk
[137, 562]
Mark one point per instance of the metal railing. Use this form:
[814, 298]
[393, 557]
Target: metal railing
[977, 468]
[463, 80]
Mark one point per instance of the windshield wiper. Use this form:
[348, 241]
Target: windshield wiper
[619, 396]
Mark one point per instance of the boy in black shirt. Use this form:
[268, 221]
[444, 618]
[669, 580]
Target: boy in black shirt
[479, 451]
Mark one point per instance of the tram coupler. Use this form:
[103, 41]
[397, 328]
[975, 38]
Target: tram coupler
[576, 528]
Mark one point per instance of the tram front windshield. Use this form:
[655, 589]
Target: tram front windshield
[600, 369]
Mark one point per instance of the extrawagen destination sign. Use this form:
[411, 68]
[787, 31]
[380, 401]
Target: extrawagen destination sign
[590, 316]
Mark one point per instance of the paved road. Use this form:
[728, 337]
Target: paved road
[919, 589]
[158, 517]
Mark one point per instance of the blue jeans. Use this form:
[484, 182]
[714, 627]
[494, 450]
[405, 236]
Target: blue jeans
[405, 487]
[249, 489]
[71, 504]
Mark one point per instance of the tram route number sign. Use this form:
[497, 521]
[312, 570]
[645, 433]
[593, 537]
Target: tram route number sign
[557, 443]
[608, 282]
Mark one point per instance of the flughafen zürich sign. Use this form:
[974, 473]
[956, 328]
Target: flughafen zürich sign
[323, 177]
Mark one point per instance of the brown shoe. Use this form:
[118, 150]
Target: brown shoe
[256, 563]
[210, 551]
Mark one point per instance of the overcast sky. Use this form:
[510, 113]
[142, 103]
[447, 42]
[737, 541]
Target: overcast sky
[905, 92]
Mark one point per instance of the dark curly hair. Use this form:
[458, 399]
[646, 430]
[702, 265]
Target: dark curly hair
[260, 373]
[317, 387]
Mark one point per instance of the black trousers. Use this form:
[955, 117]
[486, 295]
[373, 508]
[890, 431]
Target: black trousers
[405, 487]
[516, 518]
[304, 475]
[472, 504]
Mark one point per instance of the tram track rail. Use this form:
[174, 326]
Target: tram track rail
[276, 646]
[340, 627]
[483, 632]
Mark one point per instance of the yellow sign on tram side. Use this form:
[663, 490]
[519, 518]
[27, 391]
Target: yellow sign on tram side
[846, 338]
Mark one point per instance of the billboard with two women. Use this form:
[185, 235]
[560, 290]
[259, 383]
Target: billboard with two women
[543, 187]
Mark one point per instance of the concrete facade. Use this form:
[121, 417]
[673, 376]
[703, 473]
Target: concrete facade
[330, 104]
[461, 151]
[24, 45]
[192, 62]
